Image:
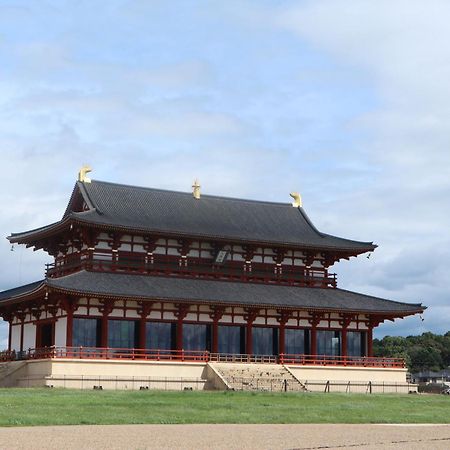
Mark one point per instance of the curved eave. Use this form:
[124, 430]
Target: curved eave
[36, 290]
[28, 237]
[363, 247]
[170, 287]
[385, 314]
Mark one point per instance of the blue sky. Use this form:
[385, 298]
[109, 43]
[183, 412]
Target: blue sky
[345, 101]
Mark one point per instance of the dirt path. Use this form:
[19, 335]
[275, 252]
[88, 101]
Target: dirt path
[386, 437]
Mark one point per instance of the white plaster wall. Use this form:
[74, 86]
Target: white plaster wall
[168, 315]
[29, 336]
[239, 319]
[259, 321]
[15, 337]
[154, 315]
[132, 314]
[82, 310]
[116, 313]
[103, 246]
[60, 332]
[205, 318]
[225, 319]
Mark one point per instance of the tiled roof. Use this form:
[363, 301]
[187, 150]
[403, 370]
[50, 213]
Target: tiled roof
[180, 214]
[223, 292]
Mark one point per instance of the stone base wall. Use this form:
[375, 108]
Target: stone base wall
[135, 375]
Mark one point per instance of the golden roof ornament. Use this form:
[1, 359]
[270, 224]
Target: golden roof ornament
[297, 203]
[196, 189]
[82, 174]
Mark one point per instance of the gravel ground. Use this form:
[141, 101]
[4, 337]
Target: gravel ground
[431, 437]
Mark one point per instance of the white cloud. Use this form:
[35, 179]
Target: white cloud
[402, 48]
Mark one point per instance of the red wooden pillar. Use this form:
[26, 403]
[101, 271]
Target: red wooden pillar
[250, 317]
[69, 305]
[282, 319]
[314, 320]
[69, 328]
[346, 320]
[249, 338]
[105, 309]
[370, 341]
[180, 314]
[143, 310]
[281, 339]
[104, 336]
[313, 349]
[215, 337]
[216, 315]
[142, 332]
[344, 342]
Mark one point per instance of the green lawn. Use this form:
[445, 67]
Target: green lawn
[65, 407]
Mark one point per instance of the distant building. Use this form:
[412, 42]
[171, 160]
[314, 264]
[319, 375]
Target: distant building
[149, 274]
[429, 376]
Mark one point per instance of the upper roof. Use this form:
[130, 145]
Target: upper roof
[117, 285]
[140, 209]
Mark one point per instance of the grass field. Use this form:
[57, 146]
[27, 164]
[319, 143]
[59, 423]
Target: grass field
[20, 407]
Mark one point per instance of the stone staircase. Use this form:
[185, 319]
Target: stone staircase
[258, 377]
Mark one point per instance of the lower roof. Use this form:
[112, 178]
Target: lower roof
[114, 285]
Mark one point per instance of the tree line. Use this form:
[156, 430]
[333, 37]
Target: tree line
[426, 352]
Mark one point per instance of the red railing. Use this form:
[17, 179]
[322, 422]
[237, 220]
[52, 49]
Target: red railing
[330, 360]
[168, 265]
[117, 353]
[198, 356]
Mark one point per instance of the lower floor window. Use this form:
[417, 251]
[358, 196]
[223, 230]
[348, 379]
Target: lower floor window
[231, 339]
[328, 342]
[356, 343]
[122, 334]
[196, 336]
[160, 335]
[86, 332]
[296, 341]
[265, 341]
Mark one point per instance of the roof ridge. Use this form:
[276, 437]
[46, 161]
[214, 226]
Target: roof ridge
[220, 197]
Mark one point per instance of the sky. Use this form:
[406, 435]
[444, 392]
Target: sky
[345, 101]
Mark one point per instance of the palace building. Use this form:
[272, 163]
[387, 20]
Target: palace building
[144, 276]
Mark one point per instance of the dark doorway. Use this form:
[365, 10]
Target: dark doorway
[46, 335]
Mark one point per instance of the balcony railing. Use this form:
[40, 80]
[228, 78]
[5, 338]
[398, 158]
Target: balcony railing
[167, 265]
[197, 356]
